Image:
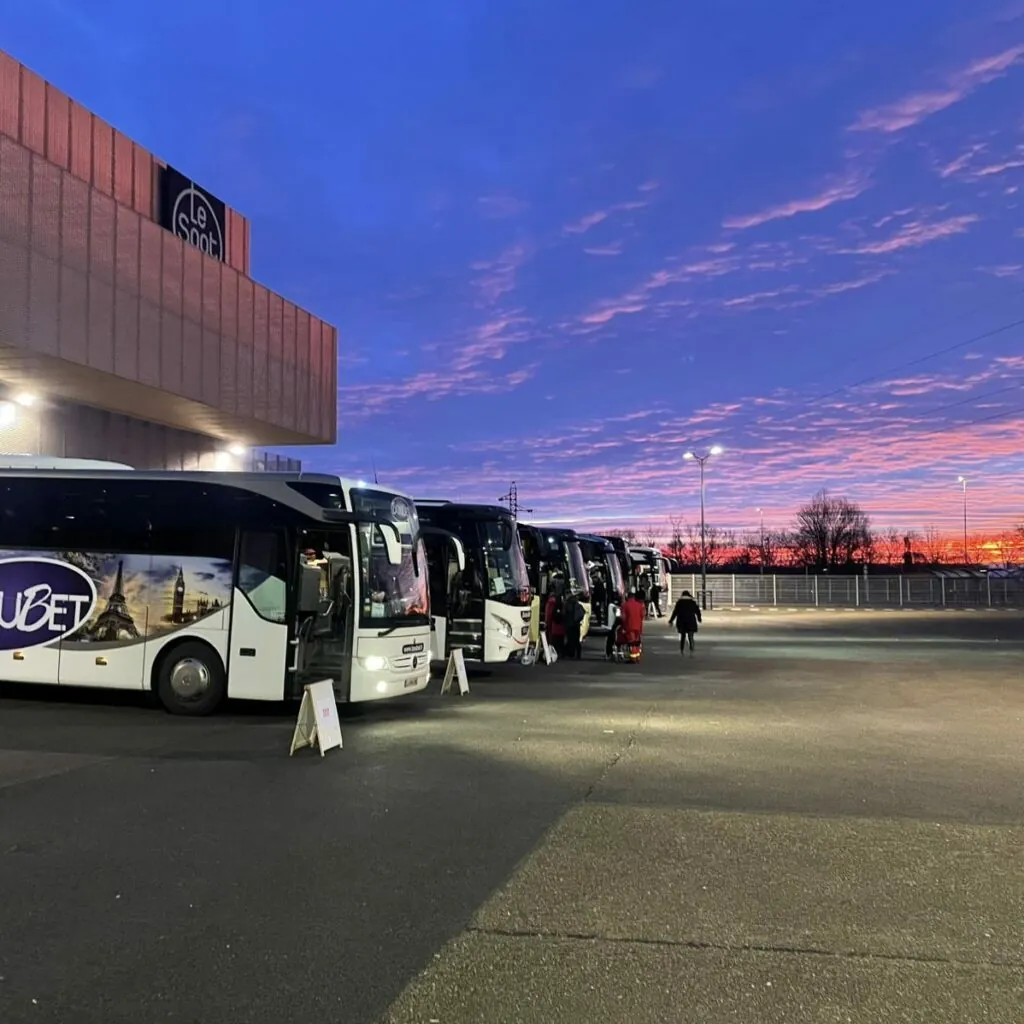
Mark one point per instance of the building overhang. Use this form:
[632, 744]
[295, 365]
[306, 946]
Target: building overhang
[50, 378]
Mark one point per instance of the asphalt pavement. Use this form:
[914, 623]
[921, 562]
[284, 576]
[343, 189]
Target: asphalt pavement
[818, 818]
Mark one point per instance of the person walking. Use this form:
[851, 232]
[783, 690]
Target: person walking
[554, 618]
[572, 618]
[686, 616]
[656, 598]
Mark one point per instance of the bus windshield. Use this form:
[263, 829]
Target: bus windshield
[391, 595]
[507, 577]
[578, 578]
[618, 583]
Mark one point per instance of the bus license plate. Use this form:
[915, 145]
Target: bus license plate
[411, 682]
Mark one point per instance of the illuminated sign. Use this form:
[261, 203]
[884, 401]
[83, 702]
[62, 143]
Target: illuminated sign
[191, 213]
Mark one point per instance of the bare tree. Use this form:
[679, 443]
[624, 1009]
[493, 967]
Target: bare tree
[932, 545]
[717, 545]
[676, 542]
[831, 531]
[628, 535]
[650, 536]
[889, 547]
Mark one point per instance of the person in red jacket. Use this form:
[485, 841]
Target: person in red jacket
[554, 619]
[633, 614]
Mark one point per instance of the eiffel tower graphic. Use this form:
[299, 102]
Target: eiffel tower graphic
[115, 620]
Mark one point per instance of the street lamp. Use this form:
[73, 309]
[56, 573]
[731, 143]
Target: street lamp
[700, 460]
[962, 481]
[760, 554]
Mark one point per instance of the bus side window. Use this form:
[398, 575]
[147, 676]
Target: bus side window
[262, 575]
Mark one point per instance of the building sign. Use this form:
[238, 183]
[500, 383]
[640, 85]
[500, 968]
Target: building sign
[41, 601]
[191, 213]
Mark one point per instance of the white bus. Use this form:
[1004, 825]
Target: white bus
[201, 586]
[479, 588]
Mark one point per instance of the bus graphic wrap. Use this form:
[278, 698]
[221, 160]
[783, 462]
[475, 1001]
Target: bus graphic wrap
[108, 600]
[42, 600]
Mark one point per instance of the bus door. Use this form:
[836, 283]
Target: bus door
[446, 567]
[324, 602]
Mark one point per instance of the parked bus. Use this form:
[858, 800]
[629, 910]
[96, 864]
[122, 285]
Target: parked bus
[552, 552]
[479, 589]
[625, 559]
[607, 584]
[649, 567]
[201, 585]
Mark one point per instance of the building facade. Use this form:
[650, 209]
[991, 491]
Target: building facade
[130, 328]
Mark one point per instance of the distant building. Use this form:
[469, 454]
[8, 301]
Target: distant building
[130, 328]
[115, 622]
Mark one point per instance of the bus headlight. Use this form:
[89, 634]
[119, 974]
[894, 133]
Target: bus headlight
[374, 663]
[505, 627]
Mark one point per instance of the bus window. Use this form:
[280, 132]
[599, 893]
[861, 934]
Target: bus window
[262, 574]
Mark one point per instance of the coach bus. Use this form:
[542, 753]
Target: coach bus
[479, 589]
[555, 553]
[607, 584]
[202, 585]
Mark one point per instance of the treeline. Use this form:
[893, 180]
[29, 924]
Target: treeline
[829, 532]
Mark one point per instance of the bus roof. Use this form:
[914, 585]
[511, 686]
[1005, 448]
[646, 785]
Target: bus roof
[277, 487]
[468, 509]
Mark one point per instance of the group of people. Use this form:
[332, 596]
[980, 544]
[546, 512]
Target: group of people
[649, 595]
[564, 616]
[629, 626]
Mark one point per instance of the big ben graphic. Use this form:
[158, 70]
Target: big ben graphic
[178, 608]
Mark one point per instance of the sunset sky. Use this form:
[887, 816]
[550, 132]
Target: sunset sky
[565, 241]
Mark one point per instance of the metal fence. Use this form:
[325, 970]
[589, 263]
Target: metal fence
[827, 591]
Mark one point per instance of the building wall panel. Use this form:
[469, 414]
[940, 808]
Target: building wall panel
[101, 323]
[126, 334]
[58, 128]
[275, 354]
[245, 375]
[142, 189]
[33, 112]
[260, 353]
[72, 338]
[10, 96]
[102, 156]
[124, 170]
[44, 208]
[101, 237]
[170, 314]
[81, 143]
[14, 294]
[74, 224]
[15, 173]
[44, 304]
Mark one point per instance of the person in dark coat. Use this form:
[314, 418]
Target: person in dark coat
[686, 616]
[573, 616]
[656, 598]
[554, 617]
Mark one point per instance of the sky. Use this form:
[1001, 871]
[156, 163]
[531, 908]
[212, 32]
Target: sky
[564, 242]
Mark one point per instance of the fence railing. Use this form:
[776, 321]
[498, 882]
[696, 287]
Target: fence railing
[822, 591]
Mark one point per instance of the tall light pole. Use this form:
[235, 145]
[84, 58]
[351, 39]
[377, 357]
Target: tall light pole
[962, 481]
[760, 554]
[700, 460]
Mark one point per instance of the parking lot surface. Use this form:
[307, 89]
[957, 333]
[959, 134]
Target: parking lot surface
[818, 818]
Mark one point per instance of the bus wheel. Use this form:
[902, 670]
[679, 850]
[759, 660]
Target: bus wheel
[190, 679]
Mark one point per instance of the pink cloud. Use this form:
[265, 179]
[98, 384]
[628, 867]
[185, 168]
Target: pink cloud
[586, 222]
[916, 234]
[498, 276]
[912, 109]
[960, 162]
[615, 249]
[840, 192]
[590, 220]
[608, 313]
[838, 287]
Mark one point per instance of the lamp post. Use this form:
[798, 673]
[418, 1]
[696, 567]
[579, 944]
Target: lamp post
[700, 460]
[962, 481]
[760, 553]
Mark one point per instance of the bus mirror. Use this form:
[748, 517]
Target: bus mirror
[460, 553]
[392, 542]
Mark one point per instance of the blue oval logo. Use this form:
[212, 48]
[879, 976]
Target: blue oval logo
[41, 601]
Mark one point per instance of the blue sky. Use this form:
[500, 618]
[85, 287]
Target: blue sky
[563, 242]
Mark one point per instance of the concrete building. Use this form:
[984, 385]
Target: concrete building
[130, 328]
